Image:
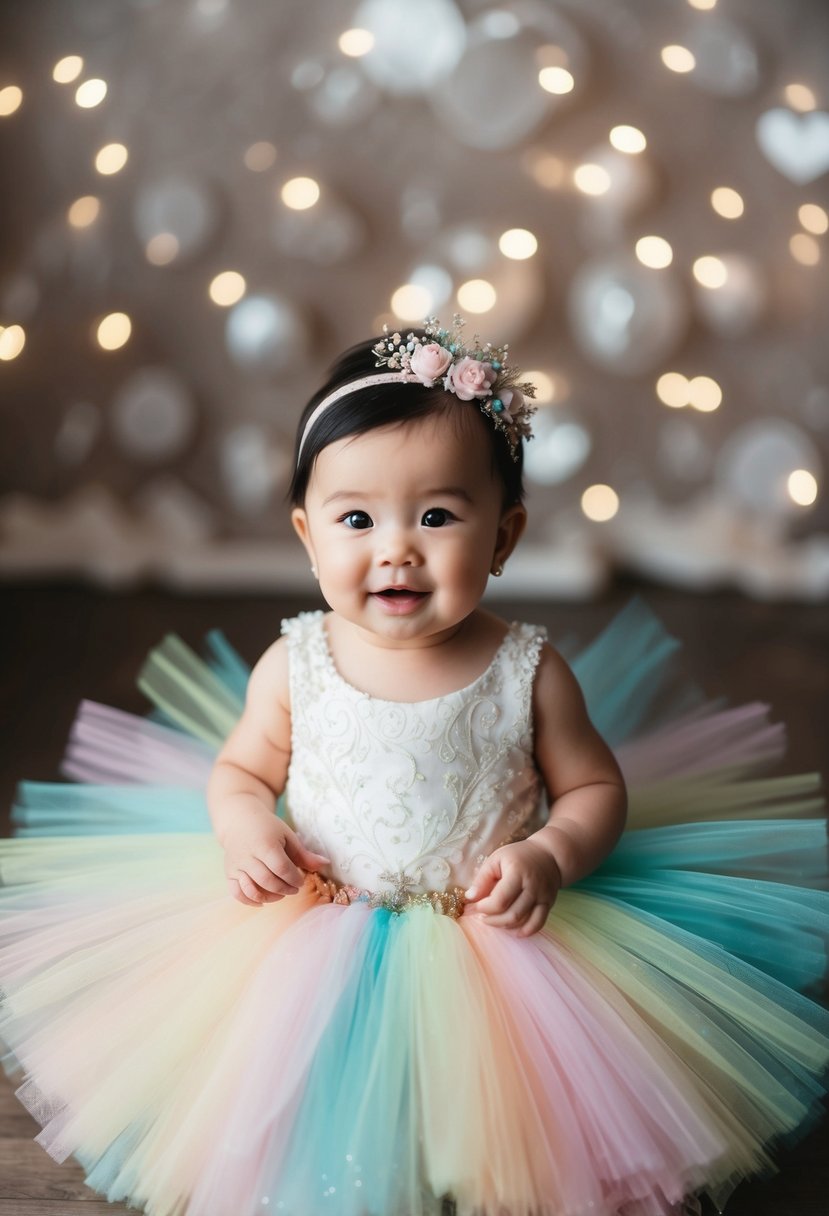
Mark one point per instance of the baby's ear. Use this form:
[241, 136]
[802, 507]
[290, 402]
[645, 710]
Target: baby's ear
[510, 529]
[300, 521]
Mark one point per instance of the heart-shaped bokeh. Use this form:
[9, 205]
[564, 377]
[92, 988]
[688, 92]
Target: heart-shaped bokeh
[796, 144]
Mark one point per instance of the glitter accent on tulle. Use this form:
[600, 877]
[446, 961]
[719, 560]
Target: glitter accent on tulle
[450, 902]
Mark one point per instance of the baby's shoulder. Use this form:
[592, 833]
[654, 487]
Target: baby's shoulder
[269, 678]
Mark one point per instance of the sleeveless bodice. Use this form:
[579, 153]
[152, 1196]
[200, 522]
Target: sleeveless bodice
[409, 797]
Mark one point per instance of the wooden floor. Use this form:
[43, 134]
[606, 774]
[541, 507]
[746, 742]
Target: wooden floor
[63, 643]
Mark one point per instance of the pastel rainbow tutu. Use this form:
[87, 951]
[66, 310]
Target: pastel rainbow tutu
[660, 1036]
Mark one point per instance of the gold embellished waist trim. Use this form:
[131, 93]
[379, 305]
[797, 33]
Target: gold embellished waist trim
[329, 890]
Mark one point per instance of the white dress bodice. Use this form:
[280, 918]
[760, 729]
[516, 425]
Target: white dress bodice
[409, 797]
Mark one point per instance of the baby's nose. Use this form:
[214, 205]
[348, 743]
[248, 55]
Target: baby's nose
[398, 547]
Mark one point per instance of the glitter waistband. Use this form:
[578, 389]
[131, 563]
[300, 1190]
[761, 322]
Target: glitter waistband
[329, 890]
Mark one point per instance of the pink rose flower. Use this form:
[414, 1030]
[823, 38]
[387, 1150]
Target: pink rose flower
[429, 362]
[471, 378]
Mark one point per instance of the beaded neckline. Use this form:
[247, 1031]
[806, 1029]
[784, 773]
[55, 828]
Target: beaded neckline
[325, 651]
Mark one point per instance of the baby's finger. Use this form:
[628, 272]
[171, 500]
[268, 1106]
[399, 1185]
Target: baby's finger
[535, 921]
[501, 897]
[280, 864]
[515, 914]
[238, 894]
[267, 880]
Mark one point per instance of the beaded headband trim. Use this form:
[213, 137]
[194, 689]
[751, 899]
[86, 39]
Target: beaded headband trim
[472, 373]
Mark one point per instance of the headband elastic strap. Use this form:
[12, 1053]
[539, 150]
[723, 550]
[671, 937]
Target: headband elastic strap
[352, 387]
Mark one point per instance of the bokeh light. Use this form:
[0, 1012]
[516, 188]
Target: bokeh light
[356, 42]
[802, 486]
[260, 156]
[84, 211]
[654, 251]
[727, 202]
[591, 179]
[113, 331]
[628, 139]
[411, 302]
[162, 249]
[67, 69]
[556, 80]
[704, 394]
[12, 341]
[90, 94]
[227, 287]
[477, 295]
[11, 98]
[678, 58]
[672, 390]
[300, 193]
[111, 159]
[813, 218]
[600, 503]
[804, 249]
[518, 243]
[710, 271]
[800, 97]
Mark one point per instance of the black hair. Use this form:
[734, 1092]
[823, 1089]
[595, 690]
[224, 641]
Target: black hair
[384, 405]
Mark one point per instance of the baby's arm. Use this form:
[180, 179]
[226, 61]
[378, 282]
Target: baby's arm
[518, 883]
[262, 853]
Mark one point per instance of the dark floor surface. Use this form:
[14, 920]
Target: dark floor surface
[62, 643]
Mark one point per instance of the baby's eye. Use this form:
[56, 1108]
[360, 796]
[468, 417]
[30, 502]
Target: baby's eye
[436, 517]
[356, 519]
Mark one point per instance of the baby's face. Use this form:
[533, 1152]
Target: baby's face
[404, 524]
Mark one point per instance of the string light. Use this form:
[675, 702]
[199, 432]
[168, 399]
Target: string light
[12, 341]
[518, 243]
[600, 503]
[113, 331]
[727, 203]
[477, 295]
[67, 69]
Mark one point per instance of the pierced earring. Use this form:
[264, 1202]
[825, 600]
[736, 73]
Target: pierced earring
[314, 572]
[498, 570]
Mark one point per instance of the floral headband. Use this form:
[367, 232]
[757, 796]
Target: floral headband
[471, 373]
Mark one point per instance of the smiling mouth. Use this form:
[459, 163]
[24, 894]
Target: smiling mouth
[392, 593]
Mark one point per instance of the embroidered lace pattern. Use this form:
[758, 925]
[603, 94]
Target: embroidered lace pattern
[409, 798]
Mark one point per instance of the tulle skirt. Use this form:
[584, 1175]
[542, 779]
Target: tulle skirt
[659, 1036]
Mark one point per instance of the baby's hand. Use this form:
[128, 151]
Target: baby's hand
[264, 860]
[515, 887]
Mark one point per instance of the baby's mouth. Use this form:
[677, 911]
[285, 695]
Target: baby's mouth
[399, 599]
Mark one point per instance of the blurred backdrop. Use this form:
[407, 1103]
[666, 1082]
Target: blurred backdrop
[205, 201]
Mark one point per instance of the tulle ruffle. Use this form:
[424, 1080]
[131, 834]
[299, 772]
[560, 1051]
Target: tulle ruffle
[203, 1058]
